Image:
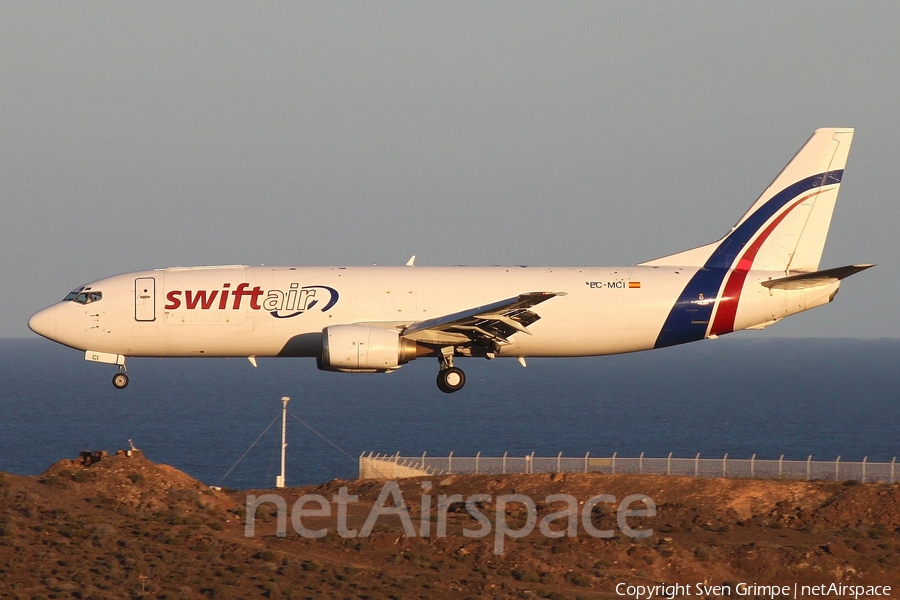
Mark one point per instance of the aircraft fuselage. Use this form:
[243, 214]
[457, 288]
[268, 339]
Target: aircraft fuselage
[281, 311]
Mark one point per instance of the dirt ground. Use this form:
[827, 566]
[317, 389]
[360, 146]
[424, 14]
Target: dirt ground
[126, 527]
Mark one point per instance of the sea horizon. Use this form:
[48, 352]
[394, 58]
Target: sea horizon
[741, 395]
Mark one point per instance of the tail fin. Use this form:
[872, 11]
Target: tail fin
[786, 227]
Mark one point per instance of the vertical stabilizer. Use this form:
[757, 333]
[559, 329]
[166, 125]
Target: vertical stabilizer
[784, 231]
[797, 207]
[786, 227]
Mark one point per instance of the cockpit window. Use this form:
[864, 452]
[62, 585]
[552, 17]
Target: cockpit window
[73, 294]
[83, 296]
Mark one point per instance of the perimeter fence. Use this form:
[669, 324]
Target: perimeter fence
[382, 466]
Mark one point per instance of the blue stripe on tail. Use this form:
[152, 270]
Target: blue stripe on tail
[689, 318]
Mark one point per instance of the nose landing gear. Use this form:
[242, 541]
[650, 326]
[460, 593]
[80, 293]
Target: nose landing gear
[120, 379]
[449, 379]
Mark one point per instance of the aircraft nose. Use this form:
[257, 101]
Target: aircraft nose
[44, 323]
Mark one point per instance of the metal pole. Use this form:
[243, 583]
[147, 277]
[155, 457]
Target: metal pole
[697, 465]
[279, 481]
[865, 458]
[893, 460]
[559, 462]
[587, 454]
[780, 466]
[641, 463]
[808, 464]
[477, 459]
[669, 464]
[753, 466]
[614, 462]
[837, 468]
[724, 462]
[504, 461]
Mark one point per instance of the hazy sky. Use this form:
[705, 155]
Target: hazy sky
[140, 135]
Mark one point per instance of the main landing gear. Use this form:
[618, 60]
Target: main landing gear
[449, 379]
[120, 379]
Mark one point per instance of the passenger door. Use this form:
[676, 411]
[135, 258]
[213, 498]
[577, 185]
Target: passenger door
[145, 299]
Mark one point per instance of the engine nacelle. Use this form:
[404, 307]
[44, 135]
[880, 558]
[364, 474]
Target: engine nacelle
[364, 349]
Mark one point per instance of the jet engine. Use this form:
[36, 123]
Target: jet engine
[364, 349]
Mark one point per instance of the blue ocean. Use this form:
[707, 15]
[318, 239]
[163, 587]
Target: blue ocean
[743, 394]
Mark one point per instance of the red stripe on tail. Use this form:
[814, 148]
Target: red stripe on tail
[731, 295]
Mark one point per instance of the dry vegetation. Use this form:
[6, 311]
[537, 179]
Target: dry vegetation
[129, 528]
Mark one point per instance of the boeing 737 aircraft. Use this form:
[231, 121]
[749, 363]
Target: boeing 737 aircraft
[375, 319]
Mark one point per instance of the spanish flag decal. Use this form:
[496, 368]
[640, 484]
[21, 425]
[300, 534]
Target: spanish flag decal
[634, 285]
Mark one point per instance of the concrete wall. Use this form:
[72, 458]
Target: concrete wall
[388, 468]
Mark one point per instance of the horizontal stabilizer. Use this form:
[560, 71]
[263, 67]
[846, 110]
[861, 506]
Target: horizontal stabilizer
[811, 280]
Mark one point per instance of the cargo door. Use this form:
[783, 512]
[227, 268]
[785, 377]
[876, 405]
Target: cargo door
[145, 299]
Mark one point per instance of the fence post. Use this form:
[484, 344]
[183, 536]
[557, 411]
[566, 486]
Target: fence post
[808, 464]
[893, 460]
[753, 467]
[614, 462]
[531, 463]
[504, 462]
[586, 455]
[669, 464]
[559, 463]
[780, 467]
[450, 462]
[641, 463]
[865, 458]
[837, 468]
[724, 462]
[697, 465]
[477, 459]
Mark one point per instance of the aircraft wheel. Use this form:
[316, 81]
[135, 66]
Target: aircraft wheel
[120, 381]
[451, 380]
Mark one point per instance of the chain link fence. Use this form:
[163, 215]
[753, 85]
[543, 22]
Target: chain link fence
[381, 466]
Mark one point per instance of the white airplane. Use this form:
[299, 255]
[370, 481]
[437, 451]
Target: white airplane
[375, 319]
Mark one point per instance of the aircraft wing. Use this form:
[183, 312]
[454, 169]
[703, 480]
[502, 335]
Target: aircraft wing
[493, 323]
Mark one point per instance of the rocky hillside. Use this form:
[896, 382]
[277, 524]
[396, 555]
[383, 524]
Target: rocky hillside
[125, 527]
